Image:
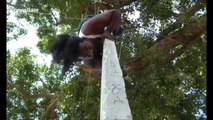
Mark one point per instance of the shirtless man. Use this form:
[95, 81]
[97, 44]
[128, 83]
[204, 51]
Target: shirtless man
[88, 46]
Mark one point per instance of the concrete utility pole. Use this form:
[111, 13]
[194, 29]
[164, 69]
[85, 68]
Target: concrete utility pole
[114, 103]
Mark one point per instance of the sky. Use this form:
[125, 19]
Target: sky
[29, 40]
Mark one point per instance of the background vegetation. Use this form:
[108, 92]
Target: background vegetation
[162, 53]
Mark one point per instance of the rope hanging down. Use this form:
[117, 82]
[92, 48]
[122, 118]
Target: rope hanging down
[114, 103]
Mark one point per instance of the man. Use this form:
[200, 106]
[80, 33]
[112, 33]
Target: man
[88, 46]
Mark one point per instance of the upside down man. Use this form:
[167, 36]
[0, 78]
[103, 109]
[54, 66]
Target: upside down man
[88, 45]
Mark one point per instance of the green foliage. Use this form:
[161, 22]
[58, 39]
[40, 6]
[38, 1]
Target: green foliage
[22, 72]
[26, 79]
[81, 100]
[176, 90]
[16, 31]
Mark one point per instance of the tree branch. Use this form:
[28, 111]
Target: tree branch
[26, 95]
[9, 4]
[42, 95]
[177, 53]
[119, 3]
[184, 36]
[51, 107]
[56, 20]
[44, 84]
[181, 18]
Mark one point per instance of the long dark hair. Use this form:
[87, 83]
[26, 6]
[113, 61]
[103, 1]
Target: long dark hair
[66, 50]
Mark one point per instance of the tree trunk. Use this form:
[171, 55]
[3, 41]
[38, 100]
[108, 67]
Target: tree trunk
[184, 36]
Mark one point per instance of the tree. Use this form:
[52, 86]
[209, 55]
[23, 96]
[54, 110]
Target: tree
[162, 53]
